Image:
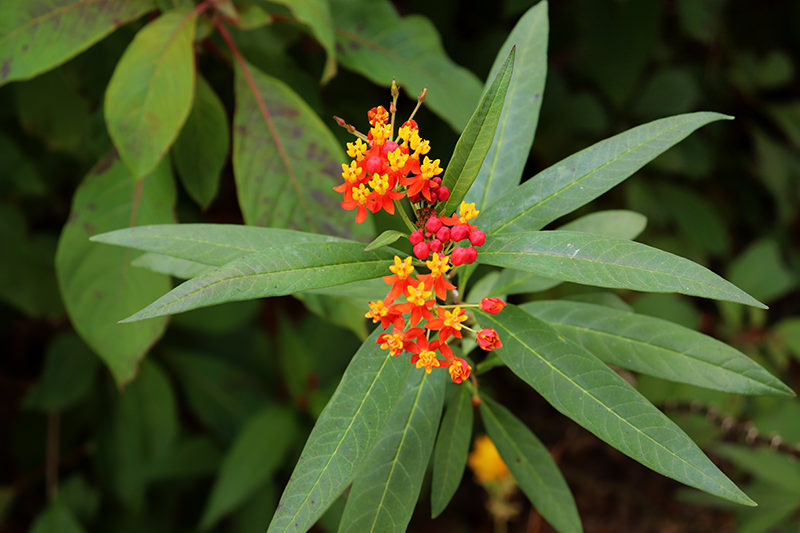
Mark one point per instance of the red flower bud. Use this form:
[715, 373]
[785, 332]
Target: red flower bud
[389, 146]
[488, 339]
[443, 193]
[435, 245]
[470, 255]
[437, 180]
[459, 232]
[477, 238]
[433, 224]
[374, 164]
[416, 237]
[459, 370]
[457, 256]
[421, 250]
[443, 234]
[492, 305]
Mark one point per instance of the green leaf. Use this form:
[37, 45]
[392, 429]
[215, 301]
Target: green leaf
[37, 36]
[387, 486]
[257, 452]
[316, 14]
[617, 223]
[765, 464]
[164, 264]
[787, 332]
[201, 148]
[502, 168]
[385, 239]
[150, 93]
[476, 139]
[57, 517]
[584, 176]
[532, 466]
[286, 162]
[97, 284]
[376, 42]
[343, 436]
[452, 447]
[582, 387]
[607, 262]
[656, 347]
[272, 272]
[761, 270]
[191, 457]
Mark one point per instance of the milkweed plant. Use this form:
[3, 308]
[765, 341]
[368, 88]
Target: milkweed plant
[465, 236]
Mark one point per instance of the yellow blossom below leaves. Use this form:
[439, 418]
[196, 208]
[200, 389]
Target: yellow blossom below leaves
[485, 461]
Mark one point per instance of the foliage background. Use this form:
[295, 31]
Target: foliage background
[726, 197]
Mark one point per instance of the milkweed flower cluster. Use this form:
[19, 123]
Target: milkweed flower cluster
[387, 168]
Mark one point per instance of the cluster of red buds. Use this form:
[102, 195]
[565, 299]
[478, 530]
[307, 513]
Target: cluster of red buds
[386, 169]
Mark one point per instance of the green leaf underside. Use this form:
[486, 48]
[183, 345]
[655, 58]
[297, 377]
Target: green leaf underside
[287, 164]
[317, 15]
[37, 36]
[583, 388]
[607, 262]
[502, 168]
[532, 466]
[342, 436]
[476, 139]
[273, 272]
[656, 347]
[376, 42]
[452, 448]
[151, 91]
[385, 239]
[97, 284]
[258, 451]
[584, 176]
[386, 488]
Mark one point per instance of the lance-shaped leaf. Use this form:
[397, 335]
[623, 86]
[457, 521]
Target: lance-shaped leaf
[375, 41]
[584, 176]
[273, 272]
[316, 14]
[502, 168]
[656, 347]
[345, 432]
[37, 36]
[387, 486]
[385, 239]
[531, 465]
[286, 161]
[452, 447]
[97, 283]
[207, 244]
[607, 262]
[150, 93]
[476, 139]
[583, 388]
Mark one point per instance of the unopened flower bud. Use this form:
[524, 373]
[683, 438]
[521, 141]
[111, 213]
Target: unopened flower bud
[488, 339]
[457, 256]
[492, 305]
[373, 165]
[389, 146]
[443, 193]
[416, 237]
[443, 234]
[435, 245]
[459, 232]
[433, 224]
[477, 237]
[421, 250]
[470, 255]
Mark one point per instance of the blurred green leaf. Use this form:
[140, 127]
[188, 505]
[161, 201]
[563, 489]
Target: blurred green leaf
[452, 447]
[502, 167]
[701, 19]
[586, 175]
[37, 36]
[190, 457]
[340, 310]
[585, 389]
[761, 271]
[656, 347]
[779, 169]
[56, 517]
[385, 490]
[671, 307]
[317, 15]
[765, 464]
[697, 217]
[201, 148]
[97, 283]
[788, 118]
[150, 93]
[607, 262]
[82, 499]
[668, 91]
[344, 434]
[788, 332]
[476, 139]
[258, 451]
[385, 239]
[751, 73]
[376, 42]
[531, 465]
[617, 223]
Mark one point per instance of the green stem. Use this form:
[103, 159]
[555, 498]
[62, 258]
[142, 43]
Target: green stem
[402, 210]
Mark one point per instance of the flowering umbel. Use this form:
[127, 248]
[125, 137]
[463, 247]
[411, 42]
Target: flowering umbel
[387, 168]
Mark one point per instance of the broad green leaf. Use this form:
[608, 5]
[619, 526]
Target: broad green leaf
[656, 347]
[273, 272]
[387, 486]
[476, 139]
[340, 310]
[57, 517]
[37, 36]
[97, 284]
[385, 239]
[258, 451]
[531, 465]
[761, 270]
[697, 217]
[201, 148]
[452, 447]
[286, 161]
[376, 42]
[607, 262]
[343, 436]
[617, 223]
[317, 15]
[765, 464]
[584, 176]
[583, 388]
[150, 93]
[502, 168]
[164, 264]
[70, 369]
